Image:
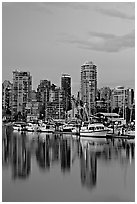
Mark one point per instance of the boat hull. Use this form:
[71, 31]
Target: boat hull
[44, 130]
[18, 128]
[30, 130]
[67, 130]
[86, 133]
[131, 133]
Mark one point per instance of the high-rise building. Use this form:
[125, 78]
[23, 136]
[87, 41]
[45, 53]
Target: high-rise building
[118, 97]
[32, 108]
[89, 86]
[43, 91]
[22, 87]
[123, 102]
[49, 97]
[6, 95]
[43, 94]
[55, 105]
[130, 97]
[122, 97]
[66, 91]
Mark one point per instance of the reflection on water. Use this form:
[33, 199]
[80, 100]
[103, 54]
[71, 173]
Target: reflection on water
[88, 165]
[16, 154]
[51, 150]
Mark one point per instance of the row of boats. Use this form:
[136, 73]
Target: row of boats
[87, 129]
[33, 127]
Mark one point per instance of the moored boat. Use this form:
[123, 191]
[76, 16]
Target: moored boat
[46, 128]
[94, 130]
[131, 132]
[68, 128]
[19, 126]
[31, 127]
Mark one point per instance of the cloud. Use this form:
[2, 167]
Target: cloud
[72, 5]
[115, 13]
[103, 42]
[31, 6]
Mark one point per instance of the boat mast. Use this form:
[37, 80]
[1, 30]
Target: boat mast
[131, 114]
[46, 104]
[89, 101]
[59, 103]
[124, 104]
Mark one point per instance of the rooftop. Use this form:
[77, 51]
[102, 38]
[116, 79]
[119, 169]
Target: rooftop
[88, 63]
[65, 75]
[120, 87]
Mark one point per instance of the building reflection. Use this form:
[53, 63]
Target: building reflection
[88, 166]
[55, 150]
[118, 149]
[132, 150]
[21, 158]
[42, 154]
[15, 153]
[18, 150]
[6, 149]
[65, 155]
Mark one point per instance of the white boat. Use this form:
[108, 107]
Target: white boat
[31, 127]
[18, 126]
[68, 128]
[46, 128]
[131, 132]
[94, 130]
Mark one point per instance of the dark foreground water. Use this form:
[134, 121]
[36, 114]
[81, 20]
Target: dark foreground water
[40, 167]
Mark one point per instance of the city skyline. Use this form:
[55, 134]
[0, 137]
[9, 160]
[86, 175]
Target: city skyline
[49, 39]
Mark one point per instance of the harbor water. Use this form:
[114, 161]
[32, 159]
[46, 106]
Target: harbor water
[60, 167]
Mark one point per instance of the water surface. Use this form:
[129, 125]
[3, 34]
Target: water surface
[51, 167]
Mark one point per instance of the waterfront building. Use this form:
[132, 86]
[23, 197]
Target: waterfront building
[101, 106]
[89, 86]
[22, 88]
[66, 91]
[111, 118]
[118, 97]
[32, 110]
[123, 102]
[122, 97]
[7, 95]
